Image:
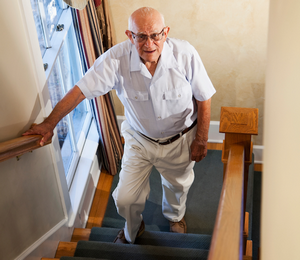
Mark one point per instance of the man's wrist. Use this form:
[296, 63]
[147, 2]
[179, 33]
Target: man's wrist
[50, 123]
[201, 141]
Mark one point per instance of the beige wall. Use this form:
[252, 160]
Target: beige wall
[30, 201]
[230, 36]
[280, 190]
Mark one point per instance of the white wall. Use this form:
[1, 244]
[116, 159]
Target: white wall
[281, 177]
[37, 210]
[31, 199]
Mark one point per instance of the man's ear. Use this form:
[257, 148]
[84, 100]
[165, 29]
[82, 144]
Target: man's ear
[129, 35]
[167, 30]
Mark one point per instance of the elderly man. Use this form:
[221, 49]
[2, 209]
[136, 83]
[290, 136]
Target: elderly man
[166, 93]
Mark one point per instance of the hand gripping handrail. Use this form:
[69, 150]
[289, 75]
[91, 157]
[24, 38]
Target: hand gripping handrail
[18, 146]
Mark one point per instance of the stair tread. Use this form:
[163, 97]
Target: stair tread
[65, 249]
[80, 258]
[156, 238]
[80, 234]
[136, 252]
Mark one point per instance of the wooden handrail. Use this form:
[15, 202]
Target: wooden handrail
[228, 231]
[19, 146]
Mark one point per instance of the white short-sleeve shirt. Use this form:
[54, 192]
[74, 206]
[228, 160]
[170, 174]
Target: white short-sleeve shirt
[158, 106]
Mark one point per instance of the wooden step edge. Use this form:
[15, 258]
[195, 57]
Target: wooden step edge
[49, 258]
[100, 201]
[249, 248]
[81, 234]
[65, 249]
[246, 225]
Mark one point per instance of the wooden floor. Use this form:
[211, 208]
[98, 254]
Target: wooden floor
[100, 200]
[103, 192]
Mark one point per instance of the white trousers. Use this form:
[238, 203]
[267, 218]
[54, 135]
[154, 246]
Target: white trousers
[173, 162]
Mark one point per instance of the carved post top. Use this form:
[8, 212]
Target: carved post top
[237, 120]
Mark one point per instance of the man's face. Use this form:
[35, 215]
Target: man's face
[149, 50]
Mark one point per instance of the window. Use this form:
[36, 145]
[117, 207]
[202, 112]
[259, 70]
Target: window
[63, 68]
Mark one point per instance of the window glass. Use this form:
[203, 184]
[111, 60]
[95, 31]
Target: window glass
[38, 25]
[53, 13]
[72, 72]
[55, 86]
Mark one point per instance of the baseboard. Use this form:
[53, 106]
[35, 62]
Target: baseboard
[215, 137]
[46, 242]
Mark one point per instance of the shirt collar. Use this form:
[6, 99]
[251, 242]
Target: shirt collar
[167, 59]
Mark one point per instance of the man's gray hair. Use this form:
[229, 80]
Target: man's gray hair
[145, 11]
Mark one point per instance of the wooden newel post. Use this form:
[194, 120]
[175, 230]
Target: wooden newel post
[239, 124]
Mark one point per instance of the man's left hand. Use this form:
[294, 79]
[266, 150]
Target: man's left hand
[198, 150]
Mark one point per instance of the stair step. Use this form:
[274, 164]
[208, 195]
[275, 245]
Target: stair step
[80, 258]
[156, 238]
[249, 248]
[80, 234]
[105, 250]
[65, 249]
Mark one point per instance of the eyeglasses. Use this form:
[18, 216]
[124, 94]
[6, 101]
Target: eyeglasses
[143, 37]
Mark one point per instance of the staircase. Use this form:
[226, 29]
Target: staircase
[96, 243]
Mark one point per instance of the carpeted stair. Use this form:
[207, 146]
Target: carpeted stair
[156, 242]
[151, 245]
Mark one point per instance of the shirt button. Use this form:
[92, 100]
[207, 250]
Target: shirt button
[135, 97]
[159, 117]
[162, 133]
[179, 95]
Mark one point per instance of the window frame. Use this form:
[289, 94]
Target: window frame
[51, 55]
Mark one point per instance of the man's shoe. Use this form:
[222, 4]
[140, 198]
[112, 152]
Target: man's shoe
[178, 227]
[120, 239]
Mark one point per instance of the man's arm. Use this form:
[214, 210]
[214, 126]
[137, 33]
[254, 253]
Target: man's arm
[62, 108]
[199, 145]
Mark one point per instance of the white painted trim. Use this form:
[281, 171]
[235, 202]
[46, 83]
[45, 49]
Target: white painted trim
[215, 137]
[41, 240]
[258, 153]
[82, 174]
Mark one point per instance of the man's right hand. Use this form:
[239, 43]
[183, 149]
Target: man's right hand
[43, 129]
[62, 108]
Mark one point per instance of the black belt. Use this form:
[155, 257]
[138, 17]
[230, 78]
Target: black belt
[175, 137]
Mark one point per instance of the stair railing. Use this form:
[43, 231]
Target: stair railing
[228, 241]
[18, 146]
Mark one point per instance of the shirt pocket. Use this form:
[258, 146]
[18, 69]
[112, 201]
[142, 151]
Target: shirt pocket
[138, 102]
[173, 94]
[176, 102]
[137, 95]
